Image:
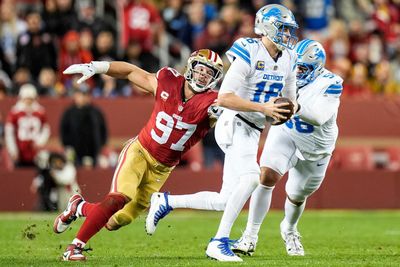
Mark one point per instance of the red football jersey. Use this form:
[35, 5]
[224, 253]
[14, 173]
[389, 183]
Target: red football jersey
[27, 127]
[175, 125]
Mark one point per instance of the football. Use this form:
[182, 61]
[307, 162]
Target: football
[289, 106]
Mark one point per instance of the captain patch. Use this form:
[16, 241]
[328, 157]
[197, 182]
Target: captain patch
[260, 65]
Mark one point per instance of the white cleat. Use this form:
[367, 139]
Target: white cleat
[73, 253]
[292, 242]
[245, 245]
[159, 208]
[64, 219]
[219, 249]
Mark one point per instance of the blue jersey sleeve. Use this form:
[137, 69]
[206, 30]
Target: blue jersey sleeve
[335, 87]
[240, 49]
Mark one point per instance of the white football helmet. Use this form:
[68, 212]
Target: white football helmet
[210, 59]
[311, 58]
[27, 91]
[273, 21]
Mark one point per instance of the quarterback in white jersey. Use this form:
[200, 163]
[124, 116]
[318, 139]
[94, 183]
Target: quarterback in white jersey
[258, 77]
[260, 70]
[302, 146]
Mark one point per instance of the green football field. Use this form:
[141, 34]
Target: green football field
[330, 238]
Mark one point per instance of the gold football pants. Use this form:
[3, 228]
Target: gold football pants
[138, 175]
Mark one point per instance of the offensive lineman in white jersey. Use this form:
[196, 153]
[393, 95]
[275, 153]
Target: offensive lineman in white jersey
[303, 146]
[260, 70]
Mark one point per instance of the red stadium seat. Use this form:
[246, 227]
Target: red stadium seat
[354, 158]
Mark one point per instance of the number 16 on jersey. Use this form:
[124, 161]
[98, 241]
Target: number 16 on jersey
[271, 90]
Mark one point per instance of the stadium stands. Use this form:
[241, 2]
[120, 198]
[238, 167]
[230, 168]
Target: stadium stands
[353, 158]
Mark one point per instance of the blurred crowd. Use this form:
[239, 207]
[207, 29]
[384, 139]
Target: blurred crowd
[39, 39]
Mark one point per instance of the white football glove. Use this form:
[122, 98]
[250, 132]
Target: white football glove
[88, 70]
[214, 111]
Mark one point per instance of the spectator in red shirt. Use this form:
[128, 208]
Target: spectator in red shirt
[141, 23]
[26, 129]
[358, 84]
[71, 53]
[385, 16]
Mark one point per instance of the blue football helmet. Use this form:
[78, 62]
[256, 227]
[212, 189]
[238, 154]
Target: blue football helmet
[274, 21]
[311, 58]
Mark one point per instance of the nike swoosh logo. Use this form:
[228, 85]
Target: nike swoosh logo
[320, 164]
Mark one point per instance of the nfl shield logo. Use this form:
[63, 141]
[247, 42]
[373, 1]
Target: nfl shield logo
[180, 108]
[164, 95]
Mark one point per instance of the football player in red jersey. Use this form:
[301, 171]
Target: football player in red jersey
[26, 128]
[183, 113]
[180, 118]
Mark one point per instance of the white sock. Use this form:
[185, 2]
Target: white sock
[235, 203]
[78, 242]
[202, 200]
[292, 215]
[79, 209]
[259, 206]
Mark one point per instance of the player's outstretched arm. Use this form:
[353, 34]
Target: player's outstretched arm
[136, 75]
[116, 69]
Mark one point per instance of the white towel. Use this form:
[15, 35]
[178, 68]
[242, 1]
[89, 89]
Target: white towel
[224, 129]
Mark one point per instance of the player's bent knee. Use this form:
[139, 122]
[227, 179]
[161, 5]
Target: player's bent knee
[118, 196]
[119, 220]
[269, 177]
[309, 188]
[313, 185]
[116, 200]
[296, 199]
[112, 225]
[112, 203]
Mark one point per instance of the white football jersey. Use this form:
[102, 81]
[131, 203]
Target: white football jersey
[254, 75]
[314, 129]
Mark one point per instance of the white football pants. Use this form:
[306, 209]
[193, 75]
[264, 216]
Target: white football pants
[239, 141]
[279, 154]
